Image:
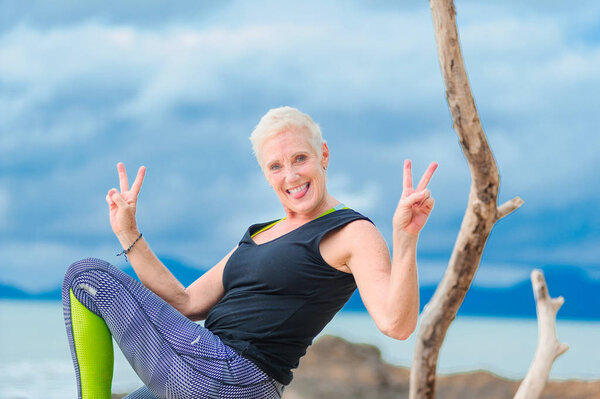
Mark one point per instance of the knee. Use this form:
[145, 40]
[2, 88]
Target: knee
[82, 266]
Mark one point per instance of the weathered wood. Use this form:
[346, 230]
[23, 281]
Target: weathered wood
[548, 346]
[508, 207]
[481, 213]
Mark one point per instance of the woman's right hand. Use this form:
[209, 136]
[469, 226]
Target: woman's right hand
[122, 204]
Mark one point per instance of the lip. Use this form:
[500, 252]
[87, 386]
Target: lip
[295, 187]
[300, 193]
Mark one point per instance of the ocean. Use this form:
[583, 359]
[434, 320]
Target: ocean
[35, 361]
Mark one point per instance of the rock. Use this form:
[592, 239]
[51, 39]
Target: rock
[334, 368]
[337, 369]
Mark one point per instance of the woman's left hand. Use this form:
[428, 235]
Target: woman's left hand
[415, 205]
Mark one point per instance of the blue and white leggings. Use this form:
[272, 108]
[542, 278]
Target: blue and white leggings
[173, 356]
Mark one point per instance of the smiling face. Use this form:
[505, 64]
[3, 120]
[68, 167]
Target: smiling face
[296, 172]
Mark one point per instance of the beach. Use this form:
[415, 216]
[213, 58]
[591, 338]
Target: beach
[36, 363]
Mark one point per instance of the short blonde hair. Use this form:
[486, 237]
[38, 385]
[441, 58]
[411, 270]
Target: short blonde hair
[282, 119]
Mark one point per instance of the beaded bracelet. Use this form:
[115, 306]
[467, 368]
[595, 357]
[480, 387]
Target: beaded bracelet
[126, 251]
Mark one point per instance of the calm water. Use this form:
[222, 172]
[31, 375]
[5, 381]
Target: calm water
[35, 360]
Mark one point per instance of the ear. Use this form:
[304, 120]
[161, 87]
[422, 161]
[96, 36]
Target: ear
[324, 155]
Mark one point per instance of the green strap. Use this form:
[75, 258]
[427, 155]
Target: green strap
[335, 208]
[94, 351]
[266, 227]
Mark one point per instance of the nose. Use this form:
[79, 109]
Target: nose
[291, 174]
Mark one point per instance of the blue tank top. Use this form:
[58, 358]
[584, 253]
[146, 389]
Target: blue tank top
[279, 295]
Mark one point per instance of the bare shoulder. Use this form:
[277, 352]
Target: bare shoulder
[360, 227]
[341, 245]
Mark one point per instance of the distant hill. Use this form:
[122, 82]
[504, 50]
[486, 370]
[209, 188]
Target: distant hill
[9, 292]
[582, 297]
[582, 294]
[185, 274]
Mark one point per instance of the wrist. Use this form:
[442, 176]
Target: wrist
[127, 237]
[404, 238]
[128, 249]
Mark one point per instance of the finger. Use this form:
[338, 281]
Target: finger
[425, 200]
[117, 199]
[139, 179]
[417, 197]
[124, 183]
[108, 199]
[407, 179]
[109, 194]
[429, 202]
[427, 176]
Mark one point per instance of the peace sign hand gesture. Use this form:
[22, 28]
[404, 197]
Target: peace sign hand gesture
[122, 205]
[415, 205]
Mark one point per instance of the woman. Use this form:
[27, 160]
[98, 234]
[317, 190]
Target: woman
[264, 302]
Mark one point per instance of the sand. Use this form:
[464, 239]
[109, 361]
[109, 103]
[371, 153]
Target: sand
[336, 369]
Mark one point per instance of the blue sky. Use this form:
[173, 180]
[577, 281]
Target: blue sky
[179, 88]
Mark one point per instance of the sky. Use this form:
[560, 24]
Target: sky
[179, 87]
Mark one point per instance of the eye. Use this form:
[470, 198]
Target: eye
[301, 158]
[274, 167]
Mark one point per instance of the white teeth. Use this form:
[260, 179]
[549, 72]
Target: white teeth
[298, 189]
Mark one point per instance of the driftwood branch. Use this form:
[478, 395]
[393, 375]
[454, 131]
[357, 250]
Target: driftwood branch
[548, 346]
[481, 213]
[508, 207]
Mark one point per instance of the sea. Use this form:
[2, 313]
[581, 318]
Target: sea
[35, 361]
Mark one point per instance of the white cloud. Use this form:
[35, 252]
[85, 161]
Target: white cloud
[584, 252]
[181, 98]
[488, 275]
[363, 197]
[180, 63]
[41, 265]
[450, 182]
[4, 208]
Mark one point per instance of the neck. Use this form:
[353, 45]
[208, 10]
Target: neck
[296, 218]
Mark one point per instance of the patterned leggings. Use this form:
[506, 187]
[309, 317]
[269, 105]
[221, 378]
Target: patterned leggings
[173, 356]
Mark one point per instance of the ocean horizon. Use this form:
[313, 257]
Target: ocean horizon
[512, 299]
[36, 362]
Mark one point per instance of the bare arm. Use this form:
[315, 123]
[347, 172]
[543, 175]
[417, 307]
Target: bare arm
[390, 290]
[195, 301]
[205, 292]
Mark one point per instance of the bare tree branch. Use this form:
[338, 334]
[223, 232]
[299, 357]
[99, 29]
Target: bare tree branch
[508, 207]
[481, 212]
[548, 346]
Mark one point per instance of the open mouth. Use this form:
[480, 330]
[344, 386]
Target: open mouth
[299, 191]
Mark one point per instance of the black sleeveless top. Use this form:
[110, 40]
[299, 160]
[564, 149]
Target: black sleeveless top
[279, 295]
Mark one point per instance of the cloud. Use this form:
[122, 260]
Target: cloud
[363, 198]
[489, 274]
[4, 207]
[55, 15]
[41, 265]
[584, 252]
[179, 89]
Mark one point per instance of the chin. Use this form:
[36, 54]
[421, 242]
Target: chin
[304, 208]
